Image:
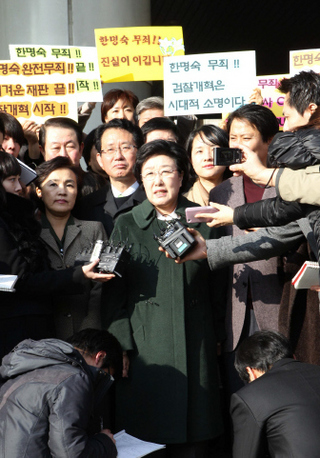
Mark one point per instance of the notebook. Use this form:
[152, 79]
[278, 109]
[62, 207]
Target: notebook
[7, 283]
[307, 276]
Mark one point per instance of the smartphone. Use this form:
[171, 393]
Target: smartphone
[227, 156]
[192, 211]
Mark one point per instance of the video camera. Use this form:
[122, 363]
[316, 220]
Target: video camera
[113, 258]
[175, 239]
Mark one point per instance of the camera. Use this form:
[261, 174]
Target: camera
[113, 258]
[227, 156]
[175, 239]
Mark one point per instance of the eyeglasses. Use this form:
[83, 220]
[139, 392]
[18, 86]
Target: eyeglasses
[124, 149]
[165, 173]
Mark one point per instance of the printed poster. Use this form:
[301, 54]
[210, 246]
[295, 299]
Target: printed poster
[136, 53]
[38, 90]
[84, 58]
[208, 83]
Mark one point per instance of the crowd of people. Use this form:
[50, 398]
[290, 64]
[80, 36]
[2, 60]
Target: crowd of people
[176, 334]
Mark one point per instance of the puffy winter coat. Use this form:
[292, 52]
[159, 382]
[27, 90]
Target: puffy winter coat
[295, 150]
[47, 401]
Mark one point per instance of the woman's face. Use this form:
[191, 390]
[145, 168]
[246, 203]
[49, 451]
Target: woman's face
[202, 159]
[122, 109]
[10, 146]
[161, 182]
[12, 184]
[59, 192]
[94, 163]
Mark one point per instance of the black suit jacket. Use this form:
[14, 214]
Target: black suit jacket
[100, 206]
[279, 411]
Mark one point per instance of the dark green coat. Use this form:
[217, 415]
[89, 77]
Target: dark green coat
[167, 314]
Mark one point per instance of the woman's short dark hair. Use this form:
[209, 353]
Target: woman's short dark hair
[212, 135]
[88, 144]
[170, 149]
[57, 163]
[260, 351]
[259, 117]
[2, 130]
[112, 97]
[12, 128]
[208, 133]
[9, 166]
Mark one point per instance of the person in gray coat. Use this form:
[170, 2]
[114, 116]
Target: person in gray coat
[64, 237]
[50, 394]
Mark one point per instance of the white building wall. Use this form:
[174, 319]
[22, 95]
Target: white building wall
[70, 22]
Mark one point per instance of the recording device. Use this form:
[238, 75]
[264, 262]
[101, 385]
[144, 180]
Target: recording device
[96, 252]
[227, 156]
[175, 239]
[192, 211]
[113, 258]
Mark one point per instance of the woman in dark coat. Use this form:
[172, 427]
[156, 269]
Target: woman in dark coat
[64, 237]
[27, 312]
[169, 317]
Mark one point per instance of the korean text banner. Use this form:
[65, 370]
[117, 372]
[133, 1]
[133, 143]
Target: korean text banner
[272, 98]
[306, 59]
[208, 83]
[136, 53]
[84, 58]
[38, 90]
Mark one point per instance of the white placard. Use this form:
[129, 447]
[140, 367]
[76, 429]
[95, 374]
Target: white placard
[85, 59]
[304, 60]
[208, 83]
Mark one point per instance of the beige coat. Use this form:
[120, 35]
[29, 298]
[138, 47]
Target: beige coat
[301, 185]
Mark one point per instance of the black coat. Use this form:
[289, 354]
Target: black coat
[295, 150]
[279, 412]
[82, 310]
[100, 206]
[22, 254]
[50, 392]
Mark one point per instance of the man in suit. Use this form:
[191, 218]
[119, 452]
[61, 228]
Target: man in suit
[117, 143]
[61, 137]
[278, 413]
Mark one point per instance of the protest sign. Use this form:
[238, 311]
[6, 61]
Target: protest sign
[136, 53]
[208, 83]
[272, 98]
[84, 58]
[38, 90]
[306, 59]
